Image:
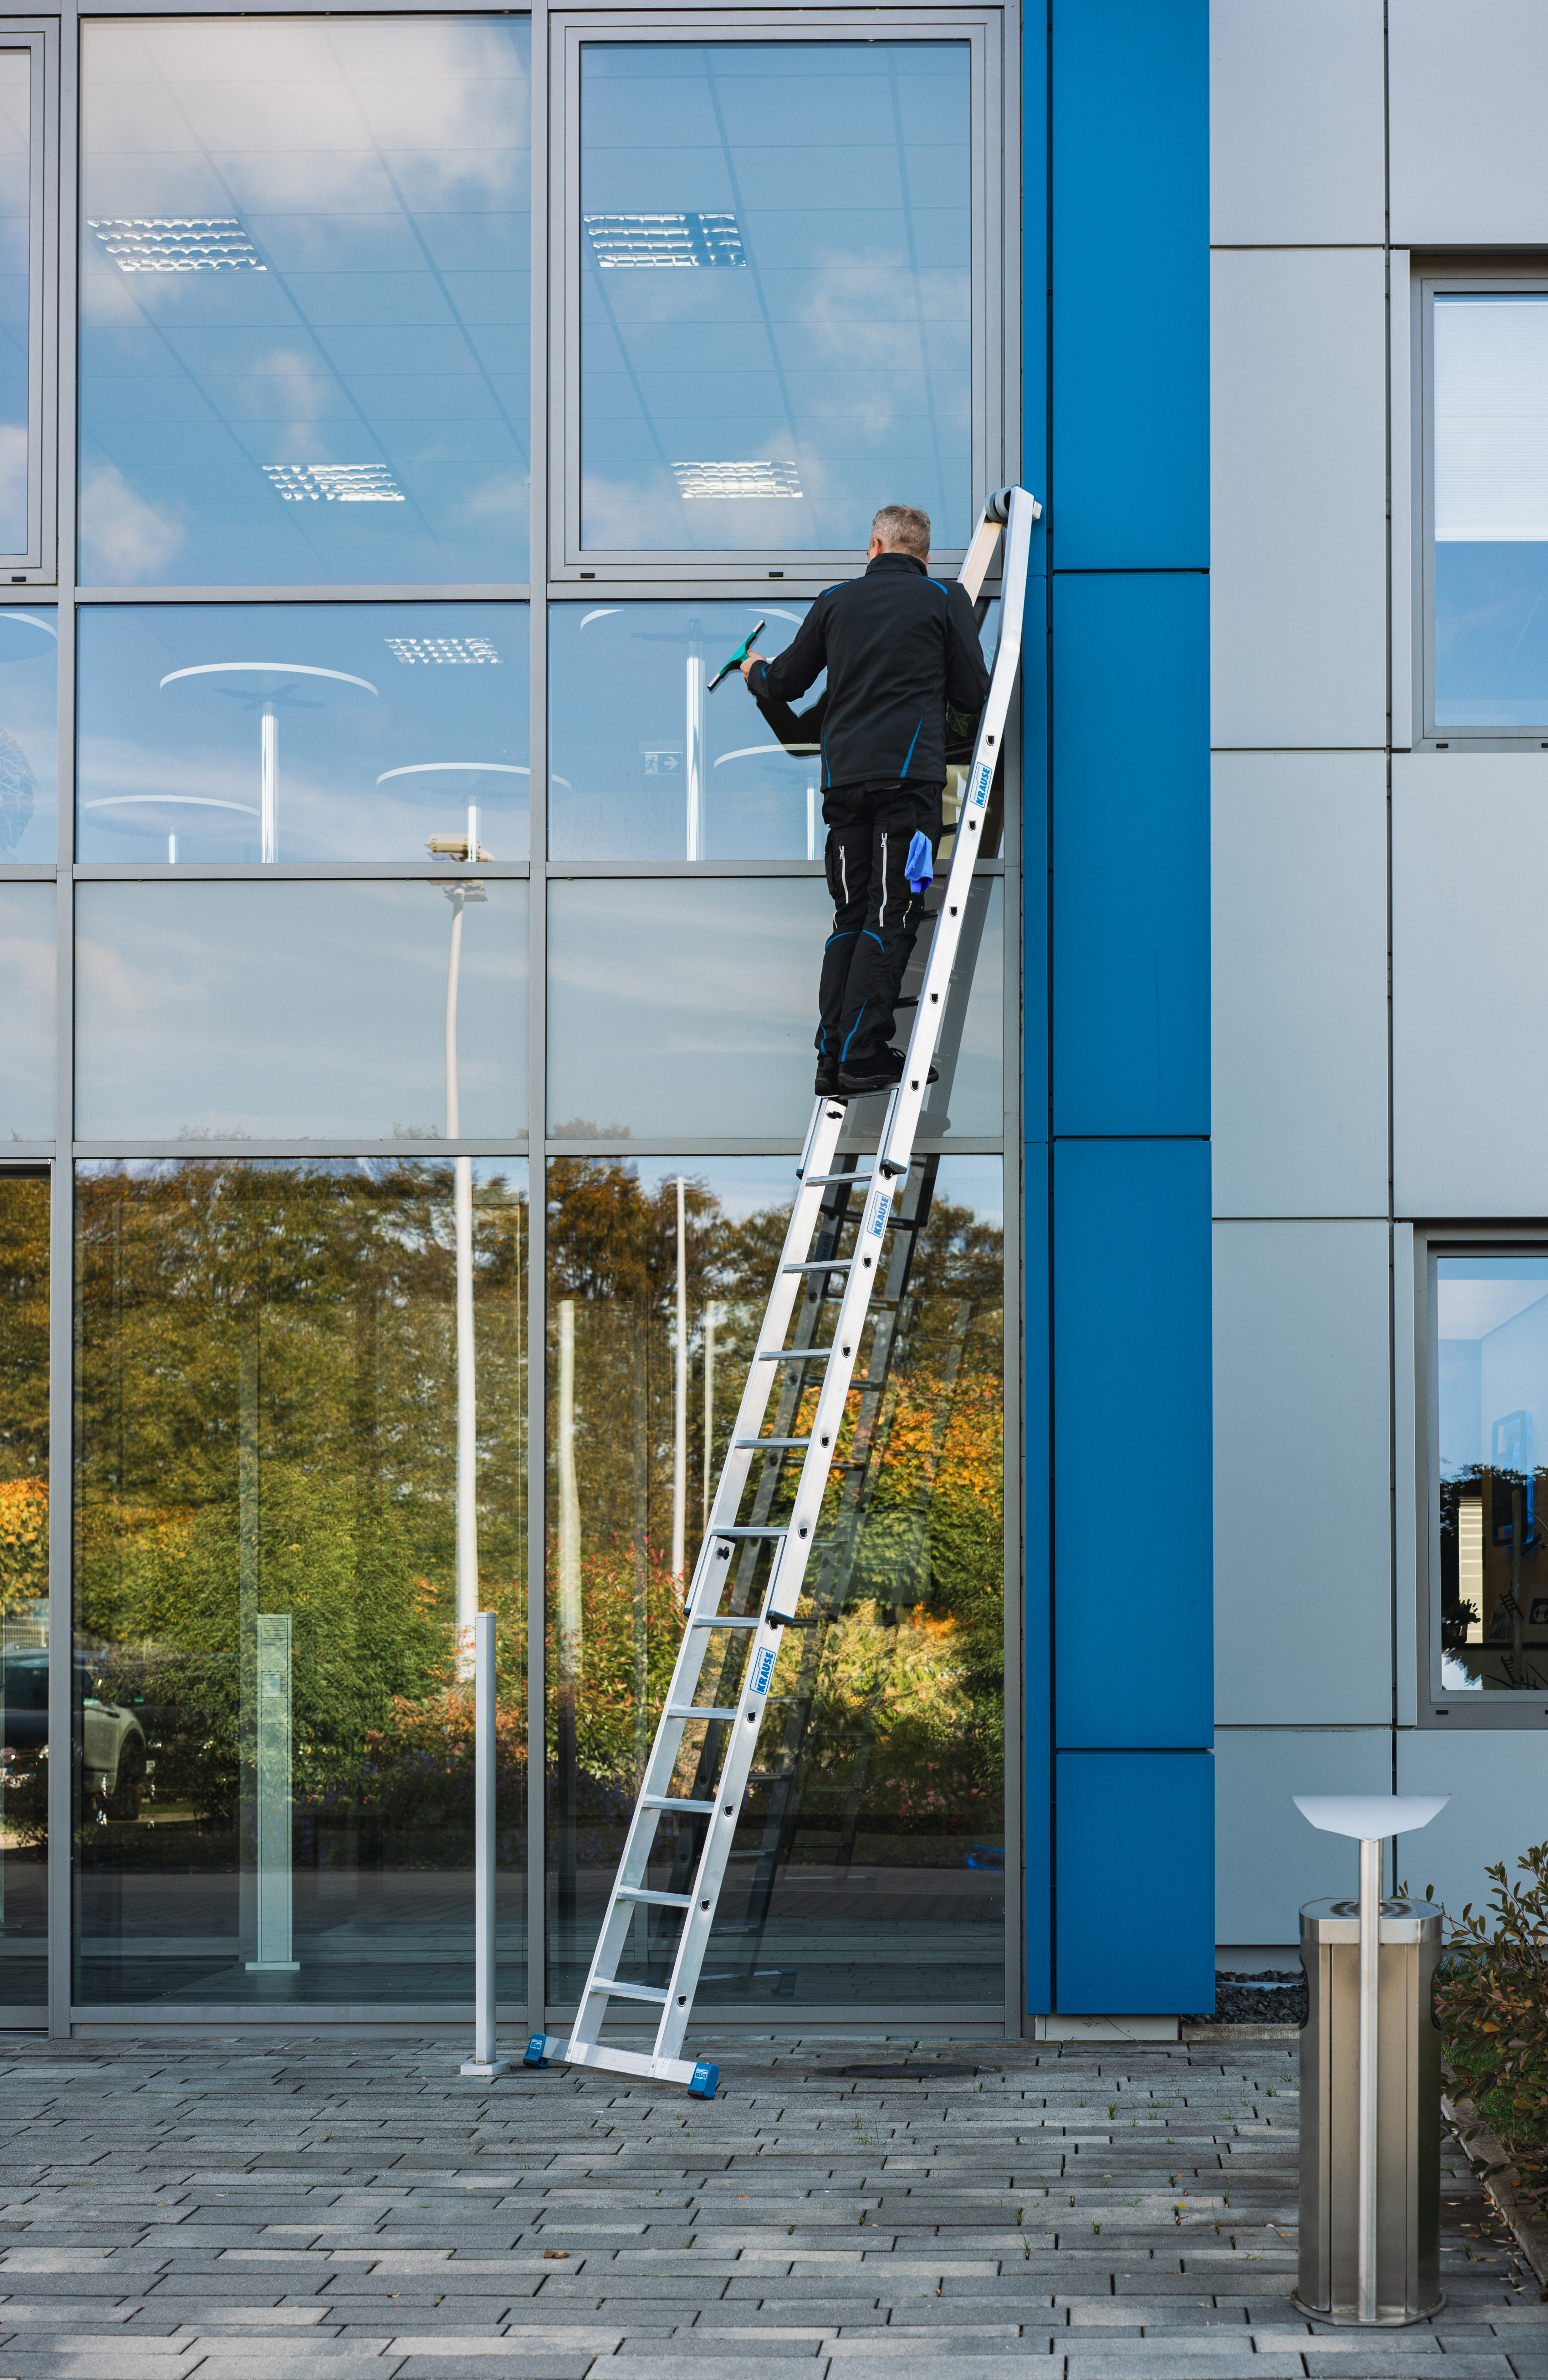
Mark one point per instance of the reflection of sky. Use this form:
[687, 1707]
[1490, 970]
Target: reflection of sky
[288, 1009]
[184, 760]
[16, 80]
[689, 1006]
[841, 345]
[379, 171]
[1491, 474]
[29, 734]
[1491, 1326]
[619, 711]
[27, 1003]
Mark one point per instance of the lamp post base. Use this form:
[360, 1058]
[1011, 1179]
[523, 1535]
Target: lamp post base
[1346, 2318]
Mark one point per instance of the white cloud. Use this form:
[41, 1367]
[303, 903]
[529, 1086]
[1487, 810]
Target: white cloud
[124, 541]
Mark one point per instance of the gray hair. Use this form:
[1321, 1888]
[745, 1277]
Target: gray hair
[905, 526]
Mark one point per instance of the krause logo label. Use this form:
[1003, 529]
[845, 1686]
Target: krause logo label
[980, 790]
[879, 1220]
[764, 1670]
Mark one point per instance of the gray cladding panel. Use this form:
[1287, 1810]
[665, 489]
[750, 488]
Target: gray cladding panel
[1267, 1859]
[1466, 93]
[1302, 1565]
[1470, 850]
[1298, 498]
[1496, 1782]
[1299, 983]
[1295, 122]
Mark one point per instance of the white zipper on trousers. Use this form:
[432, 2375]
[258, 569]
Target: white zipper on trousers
[882, 913]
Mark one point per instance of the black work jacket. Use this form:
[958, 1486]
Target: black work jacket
[898, 645]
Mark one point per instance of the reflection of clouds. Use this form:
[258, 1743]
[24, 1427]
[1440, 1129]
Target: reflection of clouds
[123, 540]
[28, 991]
[13, 487]
[292, 115]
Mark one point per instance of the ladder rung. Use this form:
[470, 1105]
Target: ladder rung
[822, 1264]
[630, 1991]
[773, 1441]
[696, 1710]
[714, 1623]
[657, 1900]
[811, 1181]
[675, 1801]
[792, 1355]
[781, 1530]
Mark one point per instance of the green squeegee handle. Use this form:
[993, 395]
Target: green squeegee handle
[737, 658]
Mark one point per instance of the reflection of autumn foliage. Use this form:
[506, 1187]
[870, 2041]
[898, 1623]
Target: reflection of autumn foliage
[631, 1619]
[23, 1542]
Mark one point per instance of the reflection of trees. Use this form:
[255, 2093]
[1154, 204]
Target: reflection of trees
[907, 1730]
[266, 1404]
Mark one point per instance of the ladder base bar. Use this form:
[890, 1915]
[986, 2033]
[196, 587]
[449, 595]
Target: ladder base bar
[698, 2076]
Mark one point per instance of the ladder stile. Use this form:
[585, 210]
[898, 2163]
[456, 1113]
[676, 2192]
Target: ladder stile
[803, 1371]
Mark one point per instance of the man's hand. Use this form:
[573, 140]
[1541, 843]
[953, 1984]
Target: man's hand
[747, 665]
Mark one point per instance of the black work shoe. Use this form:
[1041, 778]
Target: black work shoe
[879, 1074]
[826, 1085]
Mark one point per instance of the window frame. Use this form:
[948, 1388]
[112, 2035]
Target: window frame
[1434, 1709]
[990, 33]
[1509, 278]
[36, 563]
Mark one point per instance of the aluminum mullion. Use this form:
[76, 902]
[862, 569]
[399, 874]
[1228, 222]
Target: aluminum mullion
[537, 1056]
[385, 592]
[341, 871]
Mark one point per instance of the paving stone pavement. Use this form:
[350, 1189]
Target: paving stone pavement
[301, 2210]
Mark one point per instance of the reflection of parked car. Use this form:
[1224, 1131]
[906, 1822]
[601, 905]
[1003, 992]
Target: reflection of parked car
[112, 1738]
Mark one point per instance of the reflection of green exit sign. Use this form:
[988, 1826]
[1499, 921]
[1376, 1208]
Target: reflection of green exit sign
[663, 763]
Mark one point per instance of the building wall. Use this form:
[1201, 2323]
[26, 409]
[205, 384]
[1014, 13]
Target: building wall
[1336, 849]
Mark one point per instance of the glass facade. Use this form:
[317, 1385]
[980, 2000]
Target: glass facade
[15, 294]
[430, 934]
[777, 282]
[1491, 1557]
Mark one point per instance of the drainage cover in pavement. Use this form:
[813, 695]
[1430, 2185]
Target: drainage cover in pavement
[901, 2074]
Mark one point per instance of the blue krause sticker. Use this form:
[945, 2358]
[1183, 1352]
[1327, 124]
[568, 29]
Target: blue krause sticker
[764, 1670]
[879, 1219]
[985, 777]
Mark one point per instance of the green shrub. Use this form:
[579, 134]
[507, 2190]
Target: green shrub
[1492, 2000]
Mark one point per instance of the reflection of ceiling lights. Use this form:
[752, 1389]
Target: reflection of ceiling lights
[177, 243]
[442, 648]
[335, 483]
[738, 480]
[666, 239]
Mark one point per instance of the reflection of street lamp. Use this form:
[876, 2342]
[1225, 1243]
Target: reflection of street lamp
[462, 1224]
[711, 1316]
[694, 744]
[680, 1403]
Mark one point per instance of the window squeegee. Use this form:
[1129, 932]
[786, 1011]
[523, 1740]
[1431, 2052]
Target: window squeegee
[736, 657]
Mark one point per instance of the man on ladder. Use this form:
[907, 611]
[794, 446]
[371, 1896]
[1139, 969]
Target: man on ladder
[899, 646]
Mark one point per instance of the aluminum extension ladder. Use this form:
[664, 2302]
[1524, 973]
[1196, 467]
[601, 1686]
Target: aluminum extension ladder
[791, 1542]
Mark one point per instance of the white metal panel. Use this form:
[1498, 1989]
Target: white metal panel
[1296, 132]
[1299, 902]
[1298, 408]
[1469, 993]
[1495, 1777]
[1466, 95]
[1302, 1515]
[1267, 1860]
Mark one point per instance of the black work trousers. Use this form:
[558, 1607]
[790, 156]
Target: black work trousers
[876, 918]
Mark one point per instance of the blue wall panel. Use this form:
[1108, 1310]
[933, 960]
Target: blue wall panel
[1130, 267]
[1136, 1913]
[1037, 1679]
[1034, 859]
[1131, 854]
[1133, 1607]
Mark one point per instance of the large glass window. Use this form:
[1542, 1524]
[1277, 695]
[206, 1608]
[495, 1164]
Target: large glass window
[305, 270]
[776, 292]
[286, 732]
[869, 1859]
[689, 1006]
[276, 1789]
[18, 68]
[1487, 641]
[23, 1591]
[29, 734]
[1489, 1544]
[389, 1011]
[29, 1000]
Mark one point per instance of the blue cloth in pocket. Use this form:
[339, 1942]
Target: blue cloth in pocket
[920, 866]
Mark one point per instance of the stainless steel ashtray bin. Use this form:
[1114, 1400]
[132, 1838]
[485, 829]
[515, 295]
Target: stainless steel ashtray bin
[1408, 2125]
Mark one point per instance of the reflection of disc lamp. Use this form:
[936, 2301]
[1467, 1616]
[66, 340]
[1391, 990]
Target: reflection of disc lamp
[265, 688]
[466, 847]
